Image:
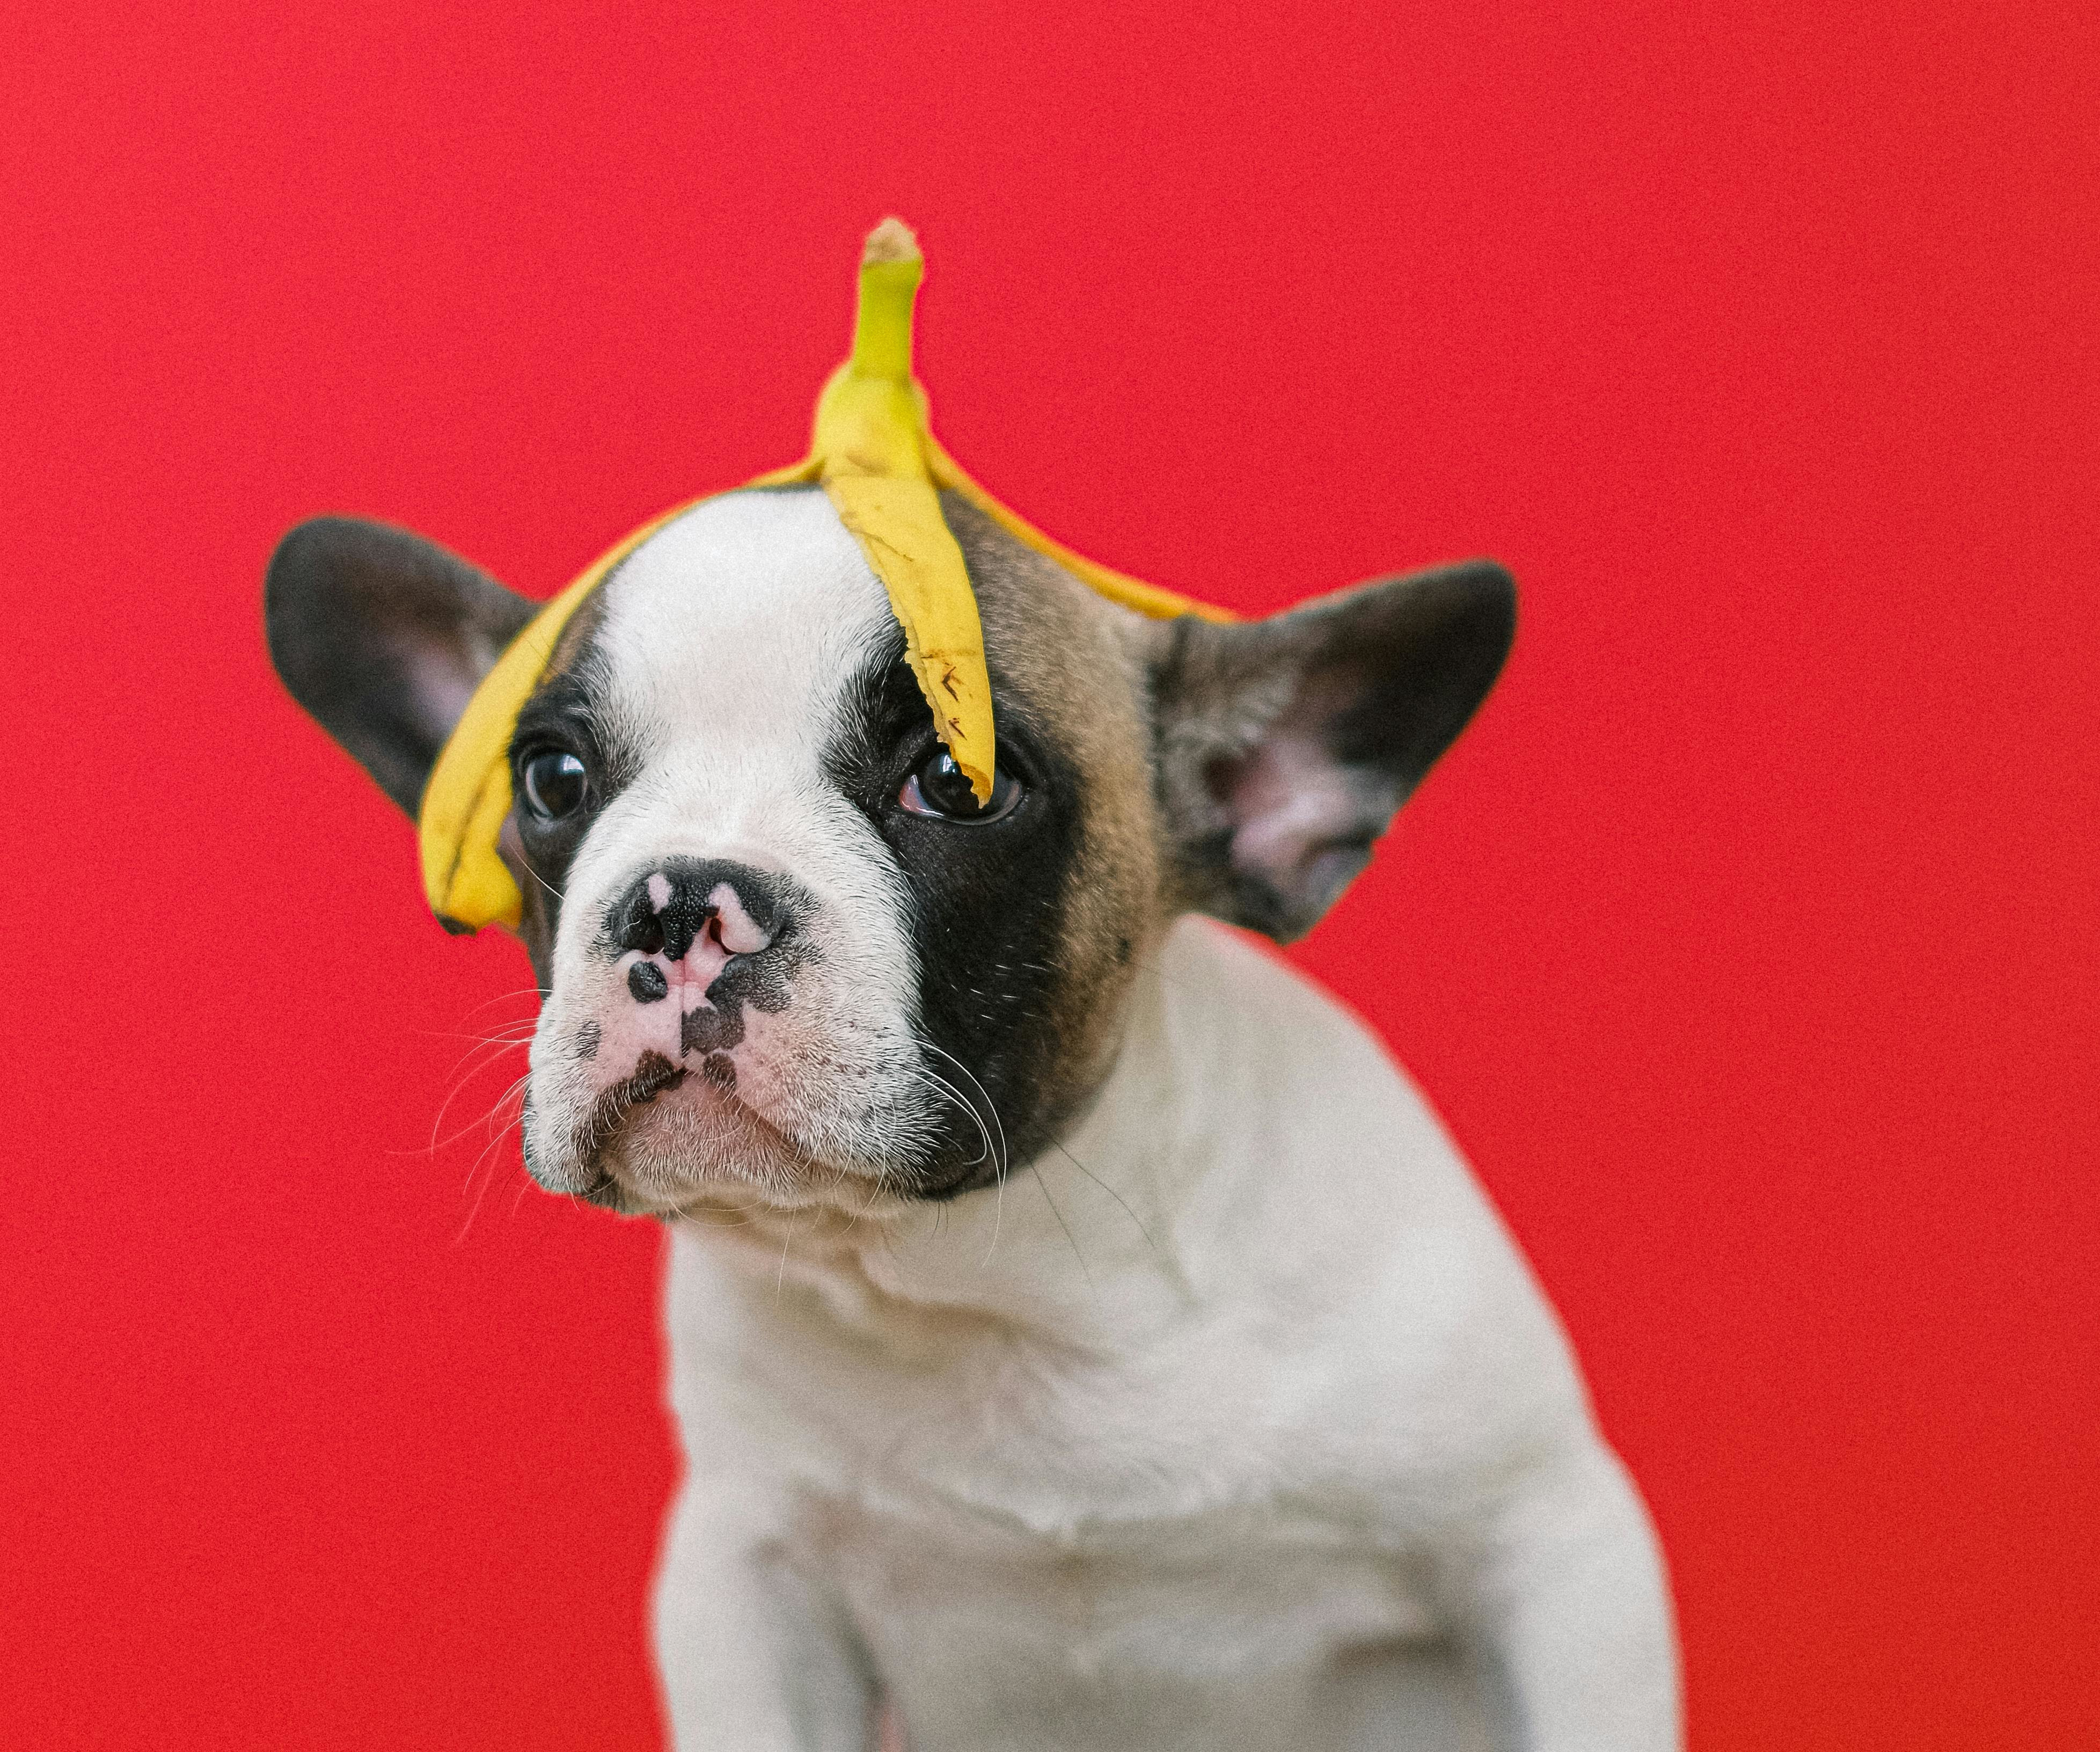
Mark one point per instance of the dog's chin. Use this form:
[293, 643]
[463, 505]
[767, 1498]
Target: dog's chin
[690, 1149]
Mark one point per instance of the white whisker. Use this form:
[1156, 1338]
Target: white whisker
[1110, 1190]
[1043, 1185]
[1002, 1163]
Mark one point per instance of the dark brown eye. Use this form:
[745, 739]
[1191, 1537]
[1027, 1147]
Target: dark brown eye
[555, 785]
[939, 790]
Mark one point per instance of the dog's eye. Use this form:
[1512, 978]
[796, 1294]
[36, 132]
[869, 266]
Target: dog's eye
[939, 790]
[555, 785]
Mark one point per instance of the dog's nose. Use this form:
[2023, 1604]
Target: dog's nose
[728, 908]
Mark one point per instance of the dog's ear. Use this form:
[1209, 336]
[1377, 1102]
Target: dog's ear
[1286, 745]
[383, 637]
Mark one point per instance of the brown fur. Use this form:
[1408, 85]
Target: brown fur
[1078, 661]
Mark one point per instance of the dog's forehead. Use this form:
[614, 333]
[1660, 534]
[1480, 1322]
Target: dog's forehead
[753, 609]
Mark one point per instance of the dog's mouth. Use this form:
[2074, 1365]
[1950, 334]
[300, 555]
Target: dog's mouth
[652, 1076]
[638, 1152]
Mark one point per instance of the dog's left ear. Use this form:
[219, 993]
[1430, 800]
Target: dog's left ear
[383, 637]
[1286, 745]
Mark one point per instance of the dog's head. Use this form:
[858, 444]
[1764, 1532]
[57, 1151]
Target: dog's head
[781, 947]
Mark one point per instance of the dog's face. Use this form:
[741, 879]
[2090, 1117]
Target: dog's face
[782, 951]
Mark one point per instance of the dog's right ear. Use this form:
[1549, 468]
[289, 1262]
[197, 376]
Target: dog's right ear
[1285, 744]
[383, 637]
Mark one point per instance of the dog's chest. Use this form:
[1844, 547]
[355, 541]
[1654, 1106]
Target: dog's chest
[1170, 1540]
[1228, 1624]
[1268, 1582]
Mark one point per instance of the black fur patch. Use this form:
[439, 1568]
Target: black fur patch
[987, 916]
[567, 713]
[710, 1030]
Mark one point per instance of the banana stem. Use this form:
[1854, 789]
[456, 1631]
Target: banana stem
[890, 270]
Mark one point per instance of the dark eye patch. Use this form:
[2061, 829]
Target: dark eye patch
[558, 770]
[563, 752]
[885, 734]
[988, 905]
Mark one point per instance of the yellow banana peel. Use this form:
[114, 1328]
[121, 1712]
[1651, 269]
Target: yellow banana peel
[880, 466]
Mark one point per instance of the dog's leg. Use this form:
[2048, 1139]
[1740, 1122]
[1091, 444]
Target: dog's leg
[752, 1656]
[1566, 1614]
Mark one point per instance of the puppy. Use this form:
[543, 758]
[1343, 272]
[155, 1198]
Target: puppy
[1082, 1335]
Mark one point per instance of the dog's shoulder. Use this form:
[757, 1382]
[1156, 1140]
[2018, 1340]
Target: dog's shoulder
[1329, 1185]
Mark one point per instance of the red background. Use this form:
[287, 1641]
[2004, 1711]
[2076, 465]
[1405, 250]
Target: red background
[1748, 940]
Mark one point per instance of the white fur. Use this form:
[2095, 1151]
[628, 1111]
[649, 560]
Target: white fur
[730, 636]
[1235, 1422]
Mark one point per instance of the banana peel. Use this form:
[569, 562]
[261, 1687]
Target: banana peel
[877, 461]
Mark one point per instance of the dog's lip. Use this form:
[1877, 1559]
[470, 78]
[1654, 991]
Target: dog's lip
[654, 1074]
[609, 1184]
[606, 1192]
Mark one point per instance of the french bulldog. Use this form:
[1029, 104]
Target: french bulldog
[1082, 1335]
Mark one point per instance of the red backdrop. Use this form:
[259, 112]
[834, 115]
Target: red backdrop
[1748, 940]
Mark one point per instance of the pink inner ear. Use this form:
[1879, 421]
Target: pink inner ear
[440, 685]
[1288, 800]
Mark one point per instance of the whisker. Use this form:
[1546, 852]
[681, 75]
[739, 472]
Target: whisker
[558, 895]
[498, 1134]
[787, 1240]
[1110, 1190]
[1076, 1254]
[459, 1088]
[504, 997]
[940, 1085]
[519, 1036]
[991, 1106]
[1004, 1165]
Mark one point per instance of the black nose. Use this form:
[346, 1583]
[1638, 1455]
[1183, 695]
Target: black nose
[662, 910]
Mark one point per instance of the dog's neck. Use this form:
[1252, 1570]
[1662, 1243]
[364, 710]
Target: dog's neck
[1151, 1204]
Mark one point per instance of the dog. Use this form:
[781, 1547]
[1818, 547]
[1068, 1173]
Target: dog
[1082, 1334]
